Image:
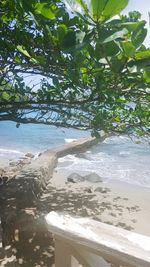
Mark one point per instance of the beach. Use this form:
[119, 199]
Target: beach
[114, 202]
[81, 193]
[117, 203]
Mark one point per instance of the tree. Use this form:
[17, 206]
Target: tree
[91, 67]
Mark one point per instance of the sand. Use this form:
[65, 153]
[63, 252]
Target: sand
[116, 203]
[121, 204]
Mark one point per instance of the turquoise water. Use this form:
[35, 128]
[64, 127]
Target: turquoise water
[117, 158]
[14, 142]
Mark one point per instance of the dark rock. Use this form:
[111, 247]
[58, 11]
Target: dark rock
[3, 180]
[13, 163]
[29, 155]
[82, 156]
[88, 190]
[75, 178]
[102, 190]
[25, 161]
[2, 171]
[93, 177]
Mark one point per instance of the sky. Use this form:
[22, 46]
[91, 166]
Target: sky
[143, 6]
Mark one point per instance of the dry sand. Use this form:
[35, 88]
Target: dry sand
[121, 204]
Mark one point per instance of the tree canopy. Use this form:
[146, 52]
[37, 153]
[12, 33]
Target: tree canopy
[77, 64]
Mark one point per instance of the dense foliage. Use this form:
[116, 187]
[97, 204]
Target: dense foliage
[75, 64]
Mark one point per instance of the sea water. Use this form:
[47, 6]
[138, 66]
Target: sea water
[15, 142]
[117, 158]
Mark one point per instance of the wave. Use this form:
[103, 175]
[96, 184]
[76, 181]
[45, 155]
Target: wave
[10, 151]
[69, 140]
[117, 158]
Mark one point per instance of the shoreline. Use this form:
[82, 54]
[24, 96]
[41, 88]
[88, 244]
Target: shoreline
[115, 202]
[118, 203]
[40, 187]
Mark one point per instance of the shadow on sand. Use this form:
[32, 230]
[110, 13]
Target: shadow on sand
[25, 240]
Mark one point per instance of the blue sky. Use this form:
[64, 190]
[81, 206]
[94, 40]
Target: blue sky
[143, 6]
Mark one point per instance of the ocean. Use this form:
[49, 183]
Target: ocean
[15, 142]
[117, 158]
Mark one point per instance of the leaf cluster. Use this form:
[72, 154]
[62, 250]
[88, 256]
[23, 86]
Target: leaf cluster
[91, 68]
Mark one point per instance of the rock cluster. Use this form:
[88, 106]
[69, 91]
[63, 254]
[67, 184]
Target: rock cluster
[29, 155]
[14, 167]
[6, 175]
[91, 177]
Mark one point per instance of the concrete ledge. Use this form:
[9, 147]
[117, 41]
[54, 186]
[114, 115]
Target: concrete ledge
[41, 169]
[35, 176]
[87, 236]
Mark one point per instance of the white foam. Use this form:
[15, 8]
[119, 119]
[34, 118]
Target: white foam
[124, 153]
[117, 140]
[68, 158]
[69, 140]
[9, 151]
[118, 159]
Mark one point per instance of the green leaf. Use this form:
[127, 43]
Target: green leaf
[148, 98]
[17, 98]
[117, 118]
[82, 8]
[111, 48]
[33, 17]
[104, 33]
[55, 81]
[138, 36]
[39, 59]
[117, 64]
[62, 30]
[77, 6]
[146, 75]
[45, 10]
[95, 133]
[142, 54]
[117, 35]
[5, 96]
[85, 5]
[114, 22]
[114, 7]
[69, 39]
[132, 26]
[17, 60]
[97, 7]
[128, 48]
[140, 63]
[17, 125]
[23, 51]
[33, 60]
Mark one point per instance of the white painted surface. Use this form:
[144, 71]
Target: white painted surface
[88, 237]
